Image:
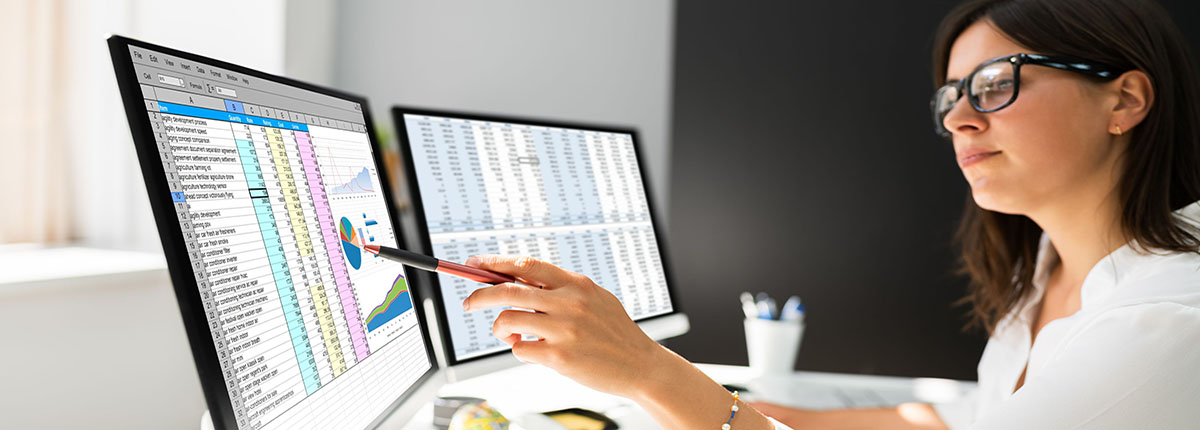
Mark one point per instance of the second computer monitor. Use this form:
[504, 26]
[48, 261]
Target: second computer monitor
[573, 195]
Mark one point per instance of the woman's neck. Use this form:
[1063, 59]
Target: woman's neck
[1083, 231]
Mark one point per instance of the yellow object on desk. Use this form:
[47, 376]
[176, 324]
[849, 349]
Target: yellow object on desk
[478, 416]
[581, 419]
[577, 422]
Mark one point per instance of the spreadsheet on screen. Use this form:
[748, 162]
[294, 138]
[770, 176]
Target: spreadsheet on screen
[574, 197]
[275, 192]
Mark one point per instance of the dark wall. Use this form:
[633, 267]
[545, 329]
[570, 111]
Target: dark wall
[804, 162]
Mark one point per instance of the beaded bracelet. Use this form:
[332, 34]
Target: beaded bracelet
[732, 411]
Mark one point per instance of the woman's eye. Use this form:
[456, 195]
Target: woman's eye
[999, 85]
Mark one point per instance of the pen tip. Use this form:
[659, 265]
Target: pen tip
[374, 249]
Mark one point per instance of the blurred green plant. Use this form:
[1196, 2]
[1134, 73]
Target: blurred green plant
[384, 135]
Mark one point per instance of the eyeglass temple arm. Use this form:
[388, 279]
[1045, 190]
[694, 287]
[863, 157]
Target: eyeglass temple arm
[1071, 64]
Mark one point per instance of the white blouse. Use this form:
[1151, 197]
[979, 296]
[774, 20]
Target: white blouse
[1128, 359]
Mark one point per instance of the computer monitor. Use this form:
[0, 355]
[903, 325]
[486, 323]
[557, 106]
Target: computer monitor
[573, 195]
[264, 191]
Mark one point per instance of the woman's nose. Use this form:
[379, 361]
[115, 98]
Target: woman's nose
[964, 119]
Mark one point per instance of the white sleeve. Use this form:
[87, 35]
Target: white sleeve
[1136, 366]
[778, 425]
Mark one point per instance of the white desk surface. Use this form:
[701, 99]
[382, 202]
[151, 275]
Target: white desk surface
[532, 389]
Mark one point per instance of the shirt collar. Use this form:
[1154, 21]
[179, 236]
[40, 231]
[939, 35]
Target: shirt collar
[1047, 257]
[1104, 277]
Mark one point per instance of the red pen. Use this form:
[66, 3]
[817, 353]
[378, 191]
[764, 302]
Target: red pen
[433, 264]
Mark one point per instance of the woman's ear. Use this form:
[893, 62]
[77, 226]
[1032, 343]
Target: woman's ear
[1135, 97]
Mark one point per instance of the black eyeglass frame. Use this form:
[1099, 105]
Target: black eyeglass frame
[1070, 64]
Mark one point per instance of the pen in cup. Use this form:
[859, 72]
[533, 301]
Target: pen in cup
[768, 309]
[762, 306]
[773, 333]
[749, 306]
[793, 310]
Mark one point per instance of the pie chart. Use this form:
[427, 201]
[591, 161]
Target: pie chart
[351, 243]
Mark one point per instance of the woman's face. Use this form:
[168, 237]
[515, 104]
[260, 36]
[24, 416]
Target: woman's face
[1048, 147]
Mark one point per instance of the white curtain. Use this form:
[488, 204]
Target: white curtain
[68, 170]
[33, 187]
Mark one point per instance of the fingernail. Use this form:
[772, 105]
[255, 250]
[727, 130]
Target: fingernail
[467, 304]
[472, 261]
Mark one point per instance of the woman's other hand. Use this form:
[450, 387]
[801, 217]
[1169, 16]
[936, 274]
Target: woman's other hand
[907, 416]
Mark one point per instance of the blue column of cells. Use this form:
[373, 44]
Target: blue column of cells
[279, 266]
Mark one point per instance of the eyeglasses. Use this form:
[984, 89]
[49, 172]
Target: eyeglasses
[994, 84]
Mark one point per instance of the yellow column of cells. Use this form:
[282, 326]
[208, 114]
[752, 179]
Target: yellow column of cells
[325, 316]
[290, 196]
[291, 199]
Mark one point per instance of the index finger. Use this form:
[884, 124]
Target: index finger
[507, 294]
[532, 270]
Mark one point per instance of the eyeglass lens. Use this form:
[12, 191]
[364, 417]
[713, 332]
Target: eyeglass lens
[991, 87]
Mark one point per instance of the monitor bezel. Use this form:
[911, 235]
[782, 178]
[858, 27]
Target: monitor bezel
[212, 380]
[426, 244]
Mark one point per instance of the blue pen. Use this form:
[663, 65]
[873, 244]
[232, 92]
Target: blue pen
[792, 309]
[796, 315]
[767, 309]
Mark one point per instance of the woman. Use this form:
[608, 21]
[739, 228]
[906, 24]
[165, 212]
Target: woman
[1079, 240]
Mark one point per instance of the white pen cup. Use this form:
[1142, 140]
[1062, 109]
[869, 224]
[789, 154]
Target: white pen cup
[773, 345]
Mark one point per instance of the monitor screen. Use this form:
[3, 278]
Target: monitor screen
[273, 189]
[573, 196]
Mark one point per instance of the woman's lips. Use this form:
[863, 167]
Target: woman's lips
[975, 158]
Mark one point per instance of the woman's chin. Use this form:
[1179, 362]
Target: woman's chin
[987, 197]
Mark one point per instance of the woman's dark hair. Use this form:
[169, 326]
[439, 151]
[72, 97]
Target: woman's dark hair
[1161, 167]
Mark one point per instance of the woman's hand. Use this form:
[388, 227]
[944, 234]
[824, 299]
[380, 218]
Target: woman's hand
[585, 333]
[906, 416]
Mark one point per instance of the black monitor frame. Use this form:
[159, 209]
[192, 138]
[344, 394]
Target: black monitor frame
[212, 381]
[426, 244]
